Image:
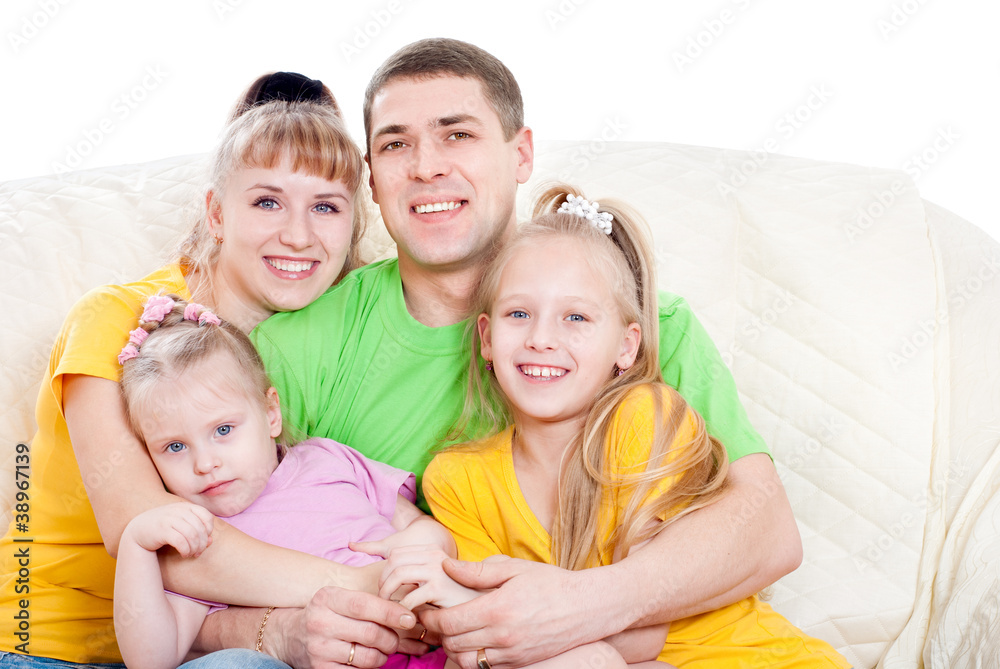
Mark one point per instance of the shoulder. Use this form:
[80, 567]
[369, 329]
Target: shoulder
[644, 411]
[118, 305]
[676, 316]
[468, 460]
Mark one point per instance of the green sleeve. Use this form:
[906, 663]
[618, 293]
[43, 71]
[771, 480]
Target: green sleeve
[691, 363]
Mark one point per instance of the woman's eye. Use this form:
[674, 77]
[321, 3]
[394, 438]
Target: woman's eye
[325, 208]
[223, 430]
[265, 203]
[175, 447]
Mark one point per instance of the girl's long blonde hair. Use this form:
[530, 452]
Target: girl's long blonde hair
[698, 468]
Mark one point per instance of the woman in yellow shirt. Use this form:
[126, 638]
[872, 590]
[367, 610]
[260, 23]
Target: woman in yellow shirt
[284, 211]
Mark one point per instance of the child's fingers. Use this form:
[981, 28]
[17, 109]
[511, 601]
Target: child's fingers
[399, 575]
[423, 595]
[370, 547]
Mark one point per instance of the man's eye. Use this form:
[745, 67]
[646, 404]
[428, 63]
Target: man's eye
[459, 135]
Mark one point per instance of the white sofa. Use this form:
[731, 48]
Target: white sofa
[859, 320]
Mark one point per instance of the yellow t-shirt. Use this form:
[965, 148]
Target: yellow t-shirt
[473, 491]
[68, 589]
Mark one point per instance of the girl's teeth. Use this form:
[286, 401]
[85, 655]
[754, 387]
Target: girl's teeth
[542, 372]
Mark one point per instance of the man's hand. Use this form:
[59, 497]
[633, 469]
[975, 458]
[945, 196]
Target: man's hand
[323, 633]
[536, 612]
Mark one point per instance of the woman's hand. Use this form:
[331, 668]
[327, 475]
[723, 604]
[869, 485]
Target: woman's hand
[185, 526]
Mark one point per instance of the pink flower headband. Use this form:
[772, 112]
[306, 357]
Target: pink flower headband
[156, 308]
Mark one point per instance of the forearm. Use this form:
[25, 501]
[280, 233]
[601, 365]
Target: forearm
[641, 644]
[239, 570]
[713, 557]
[145, 623]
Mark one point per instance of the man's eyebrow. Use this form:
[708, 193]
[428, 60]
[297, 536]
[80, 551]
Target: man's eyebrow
[455, 119]
[394, 129]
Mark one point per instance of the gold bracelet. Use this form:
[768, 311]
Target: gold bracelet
[260, 632]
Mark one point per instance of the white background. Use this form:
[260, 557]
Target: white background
[881, 83]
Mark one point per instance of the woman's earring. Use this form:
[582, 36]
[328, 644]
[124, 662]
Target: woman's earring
[218, 240]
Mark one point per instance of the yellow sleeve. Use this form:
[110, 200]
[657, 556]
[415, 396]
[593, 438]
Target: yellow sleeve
[450, 492]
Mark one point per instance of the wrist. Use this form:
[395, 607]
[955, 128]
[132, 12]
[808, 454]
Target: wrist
[274, 641]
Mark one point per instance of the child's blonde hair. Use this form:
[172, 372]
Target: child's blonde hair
[625, 260]
[175, 344]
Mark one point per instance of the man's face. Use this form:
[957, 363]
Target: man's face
[442, 174]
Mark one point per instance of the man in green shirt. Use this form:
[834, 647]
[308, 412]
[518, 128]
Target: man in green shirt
[378, 363]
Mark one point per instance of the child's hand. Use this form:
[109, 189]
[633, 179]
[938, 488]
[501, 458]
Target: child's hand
[409, 536]
[185, 526]
[421, 566]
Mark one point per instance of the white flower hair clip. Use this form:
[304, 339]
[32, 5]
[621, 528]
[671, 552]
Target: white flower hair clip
[579, 206]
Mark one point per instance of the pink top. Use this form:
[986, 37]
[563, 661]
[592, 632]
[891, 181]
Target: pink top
[321, 496]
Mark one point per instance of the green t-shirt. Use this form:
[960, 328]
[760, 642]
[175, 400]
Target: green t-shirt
[355, 367]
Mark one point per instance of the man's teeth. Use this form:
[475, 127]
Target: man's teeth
[542, 372]
[436, 206]
[290, 265]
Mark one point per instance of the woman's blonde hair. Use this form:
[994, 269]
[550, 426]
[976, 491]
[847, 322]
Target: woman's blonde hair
[624, 259]
[312, 137]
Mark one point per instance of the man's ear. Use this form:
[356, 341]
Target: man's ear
[371, 178]
[630, 346]
[273, 412]
[525, 145]
[485, 338]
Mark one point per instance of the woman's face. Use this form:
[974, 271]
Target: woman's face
[285, 237]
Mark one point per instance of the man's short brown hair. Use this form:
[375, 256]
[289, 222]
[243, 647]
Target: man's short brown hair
[435, 57]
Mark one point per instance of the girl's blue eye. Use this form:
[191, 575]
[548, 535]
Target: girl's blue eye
[175, 447]
[223, 430]
[518, 313]
[576, 318]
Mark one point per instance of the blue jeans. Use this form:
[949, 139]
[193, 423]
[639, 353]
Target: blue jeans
[17, 661]
[236, 658]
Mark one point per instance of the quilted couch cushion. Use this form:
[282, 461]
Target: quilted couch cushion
[816, 281]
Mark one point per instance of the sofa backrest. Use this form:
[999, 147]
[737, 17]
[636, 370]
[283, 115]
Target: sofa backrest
[816, 280]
